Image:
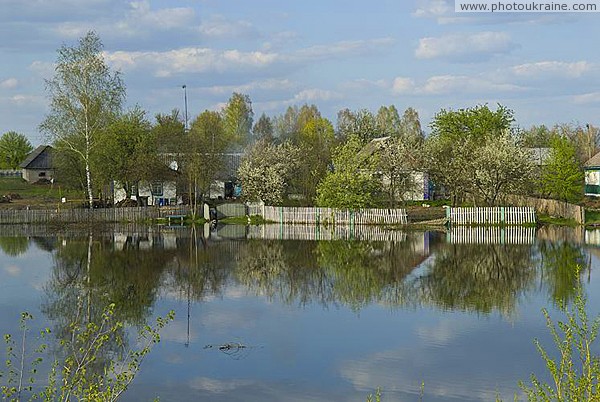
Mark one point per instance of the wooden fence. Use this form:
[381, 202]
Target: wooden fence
[491, 216]
[65, 215]
[556, 208]
[319, 216]
[11, 173]
[491, 235]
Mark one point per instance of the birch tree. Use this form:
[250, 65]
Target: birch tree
[85, 96]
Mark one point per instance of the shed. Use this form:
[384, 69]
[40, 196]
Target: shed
[38, 165]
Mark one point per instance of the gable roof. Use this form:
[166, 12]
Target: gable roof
[39, 158]
[594, 161]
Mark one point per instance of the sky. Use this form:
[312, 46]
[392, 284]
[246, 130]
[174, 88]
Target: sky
[335, 54]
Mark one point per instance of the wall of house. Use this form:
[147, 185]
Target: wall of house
[418, 192]
[34, 175]
[167, 197]
[592, 182]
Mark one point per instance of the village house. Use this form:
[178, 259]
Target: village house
[38, 165]
[592, 176]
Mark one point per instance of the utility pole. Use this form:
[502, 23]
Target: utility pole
[185, 103]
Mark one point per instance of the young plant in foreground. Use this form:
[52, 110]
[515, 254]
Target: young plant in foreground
[576, 370]
[83, 376]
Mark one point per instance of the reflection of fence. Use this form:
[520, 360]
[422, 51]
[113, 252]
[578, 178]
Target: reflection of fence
[491, 215]
[316, 215]
[316, 232]
[490, 235]
[87, 215]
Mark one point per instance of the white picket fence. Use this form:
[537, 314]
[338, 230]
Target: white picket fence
[318, 216]
[491, 215]
[491, 235]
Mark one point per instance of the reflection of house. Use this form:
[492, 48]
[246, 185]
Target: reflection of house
[38, 165]
[592, 176]
[420, 185]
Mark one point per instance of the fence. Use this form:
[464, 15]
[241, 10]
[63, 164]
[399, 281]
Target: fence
[315, 232]
[316, 215]
[11, 173]
[491, 235]
[556, 208]
[491, 215]
[42, 216]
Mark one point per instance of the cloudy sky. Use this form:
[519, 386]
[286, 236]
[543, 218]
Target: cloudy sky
[333, 53]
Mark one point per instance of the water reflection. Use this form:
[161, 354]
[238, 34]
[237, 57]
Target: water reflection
[428, 290]
[420, 270]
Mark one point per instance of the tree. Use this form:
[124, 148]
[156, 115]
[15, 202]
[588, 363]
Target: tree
[14, 148]
[263, 129]
[169, 132]
[85, 97]
[410, 125]
[128, 154]
[388, 120]
[398, 160]
[562, 176]
[316, 141]
[473, 152]
[237, 119]
[204, 148]
[349, 185]
[266, 171]
[361, 124]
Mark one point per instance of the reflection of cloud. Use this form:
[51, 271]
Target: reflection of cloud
[217, 386]
[13, 270]
[465, 47]
[176, 331]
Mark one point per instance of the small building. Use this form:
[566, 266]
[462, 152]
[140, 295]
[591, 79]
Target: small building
[38, 165]
[592, 176]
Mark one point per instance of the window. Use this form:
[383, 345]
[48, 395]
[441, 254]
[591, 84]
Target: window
[157, 188]
[42, 174]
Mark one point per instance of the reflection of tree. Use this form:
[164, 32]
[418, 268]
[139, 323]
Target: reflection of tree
[559, 262]
[362, 271]
[354, 273]
[286, 270]
[481, 278]
[14, 246]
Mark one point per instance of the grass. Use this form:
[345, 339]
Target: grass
[244, 220]
[592, 217]
[36, 194]
[552, 220]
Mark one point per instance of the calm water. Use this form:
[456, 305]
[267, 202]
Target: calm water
[326, 320]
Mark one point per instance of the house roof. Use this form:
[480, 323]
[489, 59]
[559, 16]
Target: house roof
[594, 161]
[39, 158]
[373, 146]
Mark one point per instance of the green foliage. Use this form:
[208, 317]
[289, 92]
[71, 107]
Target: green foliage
[575, 372]
[237, 119]
[377, 396]
[350, 185]
[263, 129]
[14, 148]
[473, 152]
[266, 171]
[75, 378]
[128, 154]
[562, 176]
[85, 97]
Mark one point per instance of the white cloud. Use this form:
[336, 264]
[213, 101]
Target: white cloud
[343, 48]
[433, 8]
[403, 85]
[448, 84]
[272, 84]
[220, 27]
[588, 98]
[20, 99]
[315, 95]
[553, 69]
[465, 47]
[9, 83]
[190, 60]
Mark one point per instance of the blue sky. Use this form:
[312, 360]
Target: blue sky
[332, 53]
